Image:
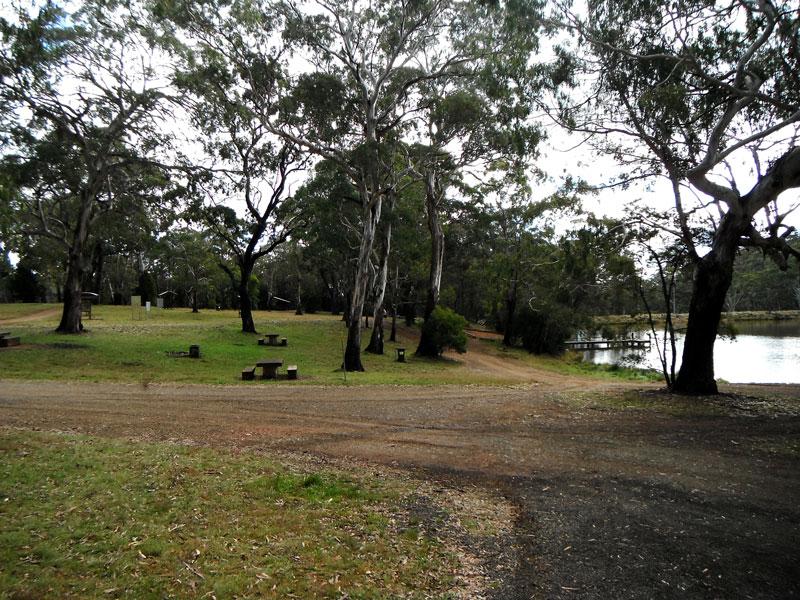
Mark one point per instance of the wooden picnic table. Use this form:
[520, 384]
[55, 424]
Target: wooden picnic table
[6, 340]
[270, 367]
[273, 338]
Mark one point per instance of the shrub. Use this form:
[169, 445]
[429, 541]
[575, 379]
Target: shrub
[545, 331]
[445, 329]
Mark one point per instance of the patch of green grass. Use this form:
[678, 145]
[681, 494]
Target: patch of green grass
[611, 371]
[118, 347]
[126, 346]
[654, 400]
[311, 488]
[785, 446]
[92, 518]
[571, 363]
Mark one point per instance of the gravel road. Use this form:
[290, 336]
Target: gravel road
[611, 503]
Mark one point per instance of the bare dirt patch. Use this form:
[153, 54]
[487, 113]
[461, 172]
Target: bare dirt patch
[37, 316]
[612, 501]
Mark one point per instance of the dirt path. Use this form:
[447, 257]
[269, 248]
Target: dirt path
[509, 368]
[612, 504]
[37, 316]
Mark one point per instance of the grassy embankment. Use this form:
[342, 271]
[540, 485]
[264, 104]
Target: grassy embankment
[119, 347]
[90, 518]
[680, 319]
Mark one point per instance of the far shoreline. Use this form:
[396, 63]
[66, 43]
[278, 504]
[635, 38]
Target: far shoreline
[680, 319]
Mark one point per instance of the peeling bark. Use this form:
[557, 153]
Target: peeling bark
[426, 346]
[352, 354]
[376, 339]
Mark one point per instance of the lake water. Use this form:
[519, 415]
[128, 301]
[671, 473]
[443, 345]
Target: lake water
[761, 352]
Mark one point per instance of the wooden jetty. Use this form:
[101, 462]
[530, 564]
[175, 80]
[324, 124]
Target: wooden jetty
[608, 344]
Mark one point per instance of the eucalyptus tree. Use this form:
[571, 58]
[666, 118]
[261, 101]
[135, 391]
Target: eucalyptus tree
[6, 271]
[186, 263]
[227, 87]
[693, 91]
[381, 274]
[369, 66]
[330, 230]
[80, 102]
[474, 125]
[521, 247]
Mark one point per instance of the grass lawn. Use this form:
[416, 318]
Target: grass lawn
[90, 518]
[120, 346]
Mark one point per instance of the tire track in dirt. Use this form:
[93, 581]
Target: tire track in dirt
[37, 316]
[612, 503]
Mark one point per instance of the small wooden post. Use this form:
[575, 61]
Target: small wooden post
[401, 355]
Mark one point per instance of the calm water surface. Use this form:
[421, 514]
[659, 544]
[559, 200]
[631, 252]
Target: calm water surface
[761, 352]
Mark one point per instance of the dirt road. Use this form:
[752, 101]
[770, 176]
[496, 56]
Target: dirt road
[612, 503]
[37, 316]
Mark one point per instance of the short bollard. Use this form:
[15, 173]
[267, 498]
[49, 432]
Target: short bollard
[401, 355]
[194, 351]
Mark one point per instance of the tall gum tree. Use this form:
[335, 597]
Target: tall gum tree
[228, 77]
[477, 123]
[707, 96]
[369, 68]
[80, 102]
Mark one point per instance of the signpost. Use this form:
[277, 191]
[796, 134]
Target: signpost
[136, 308]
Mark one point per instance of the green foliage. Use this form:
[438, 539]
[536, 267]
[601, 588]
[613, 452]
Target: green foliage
[446, 330]
[147, 287]
[758, 283]
[545, 331]
[5, 274]
[24, 285]
[253, 289]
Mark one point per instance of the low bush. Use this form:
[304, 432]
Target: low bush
[445, 329]
[545, 331]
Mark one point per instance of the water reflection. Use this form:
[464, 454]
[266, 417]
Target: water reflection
[761, 352]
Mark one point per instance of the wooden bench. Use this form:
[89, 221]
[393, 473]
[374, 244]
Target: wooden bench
[284, 342]
[291, 372]
[249, 373]
[6, 340]
[270, 367]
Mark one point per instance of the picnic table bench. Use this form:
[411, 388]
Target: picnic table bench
[6, 340]
[270, 367]
[271, 339]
